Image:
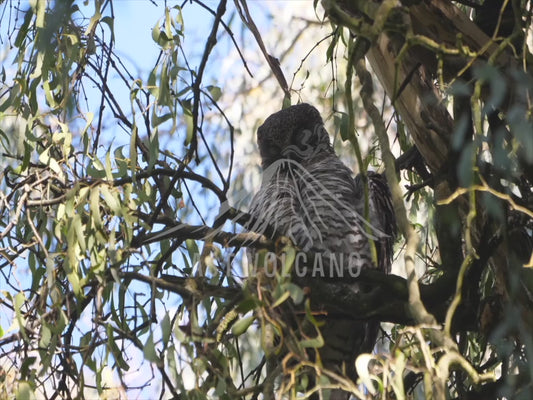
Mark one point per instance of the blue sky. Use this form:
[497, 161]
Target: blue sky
[134, 20]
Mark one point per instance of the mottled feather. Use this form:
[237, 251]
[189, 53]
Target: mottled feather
[309, 195]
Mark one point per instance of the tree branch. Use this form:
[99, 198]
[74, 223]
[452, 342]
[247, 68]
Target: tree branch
[181, 231]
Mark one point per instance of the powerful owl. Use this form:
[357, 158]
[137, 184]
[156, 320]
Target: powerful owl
[310, 196]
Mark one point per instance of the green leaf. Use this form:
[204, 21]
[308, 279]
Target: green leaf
[149, 350]
[156, 32]
[45, 158]
[248, 304]
[152, 87]
[179, 16]
[332, 46]
[158, 120]
[215, 92]
[159, 36]
[33, 96]
[168, 23]
[111, 200]
[19, 301]
[95, 169]
[79, 230]
[295, 291]
[40, 7]
[73, 249]
[362, 366]
[45, 336]
[286, 102]
[49, 95]
[94, 206]
[343, 123]
[194, 253]
[23, 30]
[289, 255]
[313, 343]
[117, 353]
[153, 147]
[74, 280]
[166, 329]
[94, 20]
[108, 167]
[284, 296]
[397, 379]
[164, 97]
[133, 150]
[24, 391]
[188, 123]
[111, 23]
[242, 325]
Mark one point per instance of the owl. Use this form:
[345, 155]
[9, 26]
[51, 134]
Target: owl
[311, 197]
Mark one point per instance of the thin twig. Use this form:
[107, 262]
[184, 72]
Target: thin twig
[183, 231]
[16, 216]
[230, 33]
[196, 88]
[273, 62]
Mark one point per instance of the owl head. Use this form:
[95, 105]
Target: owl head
[296, 133]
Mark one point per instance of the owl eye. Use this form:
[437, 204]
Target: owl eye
[269, 154]
[274, 150]
[305, 139]
[302, 146]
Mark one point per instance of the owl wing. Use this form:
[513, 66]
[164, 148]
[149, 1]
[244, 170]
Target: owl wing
[381, 216]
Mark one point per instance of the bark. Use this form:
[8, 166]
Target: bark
[416, 46]
[408, 44]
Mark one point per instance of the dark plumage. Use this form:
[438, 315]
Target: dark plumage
[309, 195]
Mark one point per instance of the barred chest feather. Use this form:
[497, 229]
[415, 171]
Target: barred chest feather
[316, 205]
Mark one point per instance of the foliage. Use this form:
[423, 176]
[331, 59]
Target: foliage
[122, 266]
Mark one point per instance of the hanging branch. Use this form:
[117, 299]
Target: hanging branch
[273, 62]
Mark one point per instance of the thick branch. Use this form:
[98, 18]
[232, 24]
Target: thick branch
[202, 232]
[185, 287]
[416, 306]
